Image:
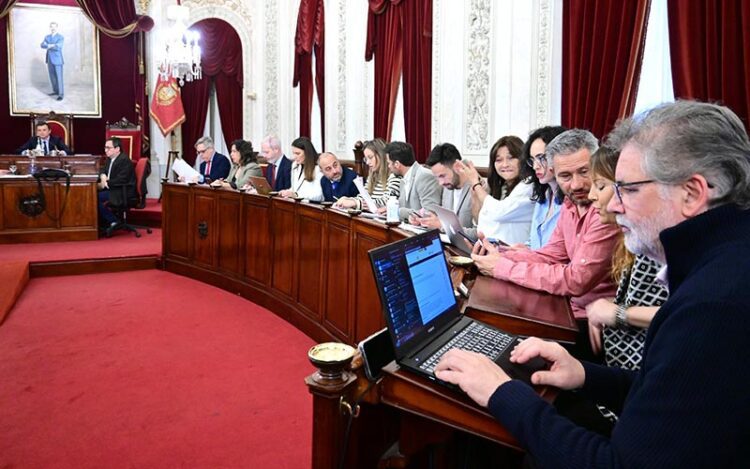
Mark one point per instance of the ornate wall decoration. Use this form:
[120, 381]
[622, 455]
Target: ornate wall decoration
[271, 60]
[436, 71]
[477, 108]
[544, 65]
[236, 6]
[341, 86]
[141, 7]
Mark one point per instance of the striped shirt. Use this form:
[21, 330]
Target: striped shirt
[382, 192]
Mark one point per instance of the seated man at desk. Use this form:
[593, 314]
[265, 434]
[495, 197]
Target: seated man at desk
[577, 260]
[419, 188]
[215, 166]
[116, 183]
[447, 167]
[45, 141]
[682, 198]
[337, 180]
[279, 168]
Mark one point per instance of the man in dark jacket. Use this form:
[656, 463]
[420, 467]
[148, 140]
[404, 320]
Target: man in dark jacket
[682, 197]
[338, 180]
[45, 141]
[116, 183]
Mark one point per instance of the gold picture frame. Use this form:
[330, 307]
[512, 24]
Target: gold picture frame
[38, 83]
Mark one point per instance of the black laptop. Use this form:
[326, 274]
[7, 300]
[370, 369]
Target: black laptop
[422, 314]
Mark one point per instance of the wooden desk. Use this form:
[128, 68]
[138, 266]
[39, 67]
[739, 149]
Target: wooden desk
[310, 266]
[78, 164]
[77, 222]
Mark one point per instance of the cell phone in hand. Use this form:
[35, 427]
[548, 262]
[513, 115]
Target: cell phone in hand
[497, 242]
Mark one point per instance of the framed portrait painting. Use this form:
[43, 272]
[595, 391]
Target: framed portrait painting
[53, 54]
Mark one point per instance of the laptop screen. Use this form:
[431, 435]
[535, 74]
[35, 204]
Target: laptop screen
[415, 289]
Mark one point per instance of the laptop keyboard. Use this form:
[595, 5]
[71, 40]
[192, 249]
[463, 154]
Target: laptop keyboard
[475, 338]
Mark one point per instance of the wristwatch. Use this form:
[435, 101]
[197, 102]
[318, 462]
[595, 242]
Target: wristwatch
[621, 316]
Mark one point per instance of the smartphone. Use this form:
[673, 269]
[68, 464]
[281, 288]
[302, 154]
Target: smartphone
[377, 352]
[497, 242]
[466, 237]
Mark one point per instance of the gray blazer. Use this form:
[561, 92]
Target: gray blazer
[242, 173]
[463, 211]
[422, 191]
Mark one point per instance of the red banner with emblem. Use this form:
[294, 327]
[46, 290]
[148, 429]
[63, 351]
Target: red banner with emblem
[166, 105]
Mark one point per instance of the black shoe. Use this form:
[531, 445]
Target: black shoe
[108, 232]
[53, 93]
[59, 98]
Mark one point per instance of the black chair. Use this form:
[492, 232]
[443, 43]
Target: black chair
[142, 171]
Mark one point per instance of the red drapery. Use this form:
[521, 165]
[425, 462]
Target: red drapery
[120, 66]
[222, 64]
[399, 37]
[710, 51]
[115, 18]
[308, 39]
[603, 44]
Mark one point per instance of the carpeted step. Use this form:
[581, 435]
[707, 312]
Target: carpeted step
[13, 277]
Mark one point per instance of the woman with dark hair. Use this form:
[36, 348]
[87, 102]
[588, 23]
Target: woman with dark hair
[503, 208]
[381, 183]
[306, 174]
[244, 164]
[545, 192]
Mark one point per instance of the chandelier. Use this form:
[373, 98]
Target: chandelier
[181, 56]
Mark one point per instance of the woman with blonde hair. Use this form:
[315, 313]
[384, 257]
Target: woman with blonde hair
[381, 183]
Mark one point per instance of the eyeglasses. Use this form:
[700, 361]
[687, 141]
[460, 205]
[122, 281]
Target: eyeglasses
[620, 185]
[200, 152]
[108, 148]
[541, 158]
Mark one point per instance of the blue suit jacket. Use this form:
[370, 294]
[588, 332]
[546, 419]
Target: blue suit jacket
[284, 176]
[54, 54]
[219, 167]
[55, 143]
[345, 187]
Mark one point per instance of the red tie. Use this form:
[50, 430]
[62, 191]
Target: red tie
[208, 168]
[272, 174]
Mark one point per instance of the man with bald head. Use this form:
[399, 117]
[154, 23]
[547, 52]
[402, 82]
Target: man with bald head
[338, 181]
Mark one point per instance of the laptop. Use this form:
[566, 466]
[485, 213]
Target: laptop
[453, 229]
[422, 315]
[261, 185]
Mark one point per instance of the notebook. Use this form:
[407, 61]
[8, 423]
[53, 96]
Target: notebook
[422, 315]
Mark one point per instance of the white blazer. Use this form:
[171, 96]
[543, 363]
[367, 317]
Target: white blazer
[310, 190]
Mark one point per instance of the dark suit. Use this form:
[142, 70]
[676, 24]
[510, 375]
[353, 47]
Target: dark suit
[220, 167]
[55, 143]
[121, 184]
[344, 188]
[283, 177]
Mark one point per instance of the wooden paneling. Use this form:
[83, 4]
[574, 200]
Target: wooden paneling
[205, 228]
[78, 164]
[369, 313]
[258, 240]
[310, 248]
[337, 278]
[283, 246]
[176, 216]
[229, 234]
[68, 216]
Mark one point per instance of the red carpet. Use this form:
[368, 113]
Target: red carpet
[150, 370]
[121, 244]
[13, 278]
[150, 215]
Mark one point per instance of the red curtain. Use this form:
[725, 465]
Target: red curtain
[5, 6]
[603, 43]
[115, 18]
[222, 64]
[399, 38]
[710, 51]
[118, 90]
[418, 75]
[309, 39]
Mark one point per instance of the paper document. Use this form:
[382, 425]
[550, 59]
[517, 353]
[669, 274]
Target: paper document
[365, 195]
[413, 228]
[184, 170]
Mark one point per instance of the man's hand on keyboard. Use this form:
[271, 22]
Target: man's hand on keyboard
[474, 373]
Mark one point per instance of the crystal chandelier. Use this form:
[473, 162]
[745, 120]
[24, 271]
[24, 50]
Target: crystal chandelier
[181, 57]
